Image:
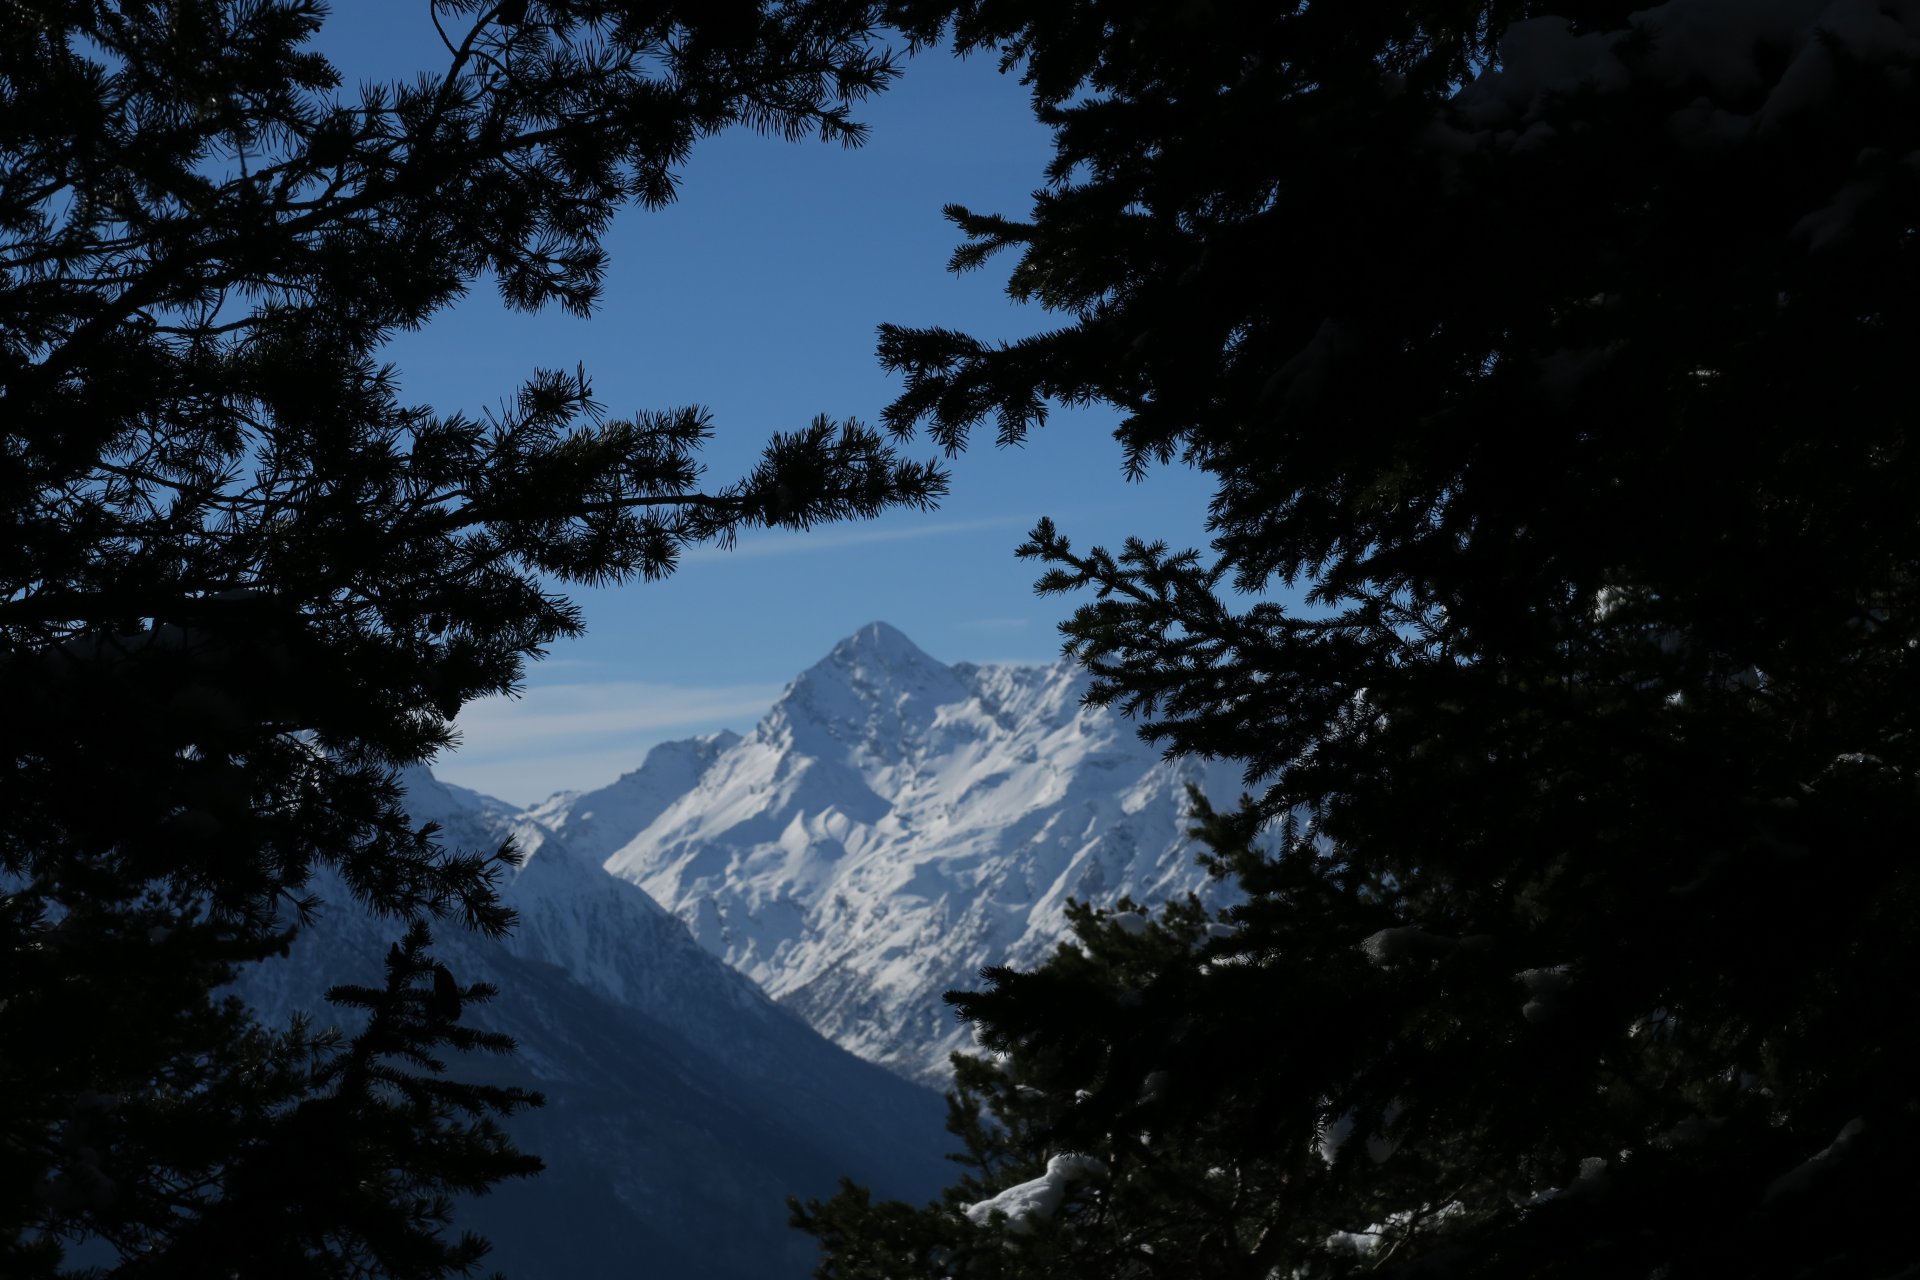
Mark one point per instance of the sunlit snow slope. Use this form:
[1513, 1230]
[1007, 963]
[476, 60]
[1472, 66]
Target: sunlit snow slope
[891, 826]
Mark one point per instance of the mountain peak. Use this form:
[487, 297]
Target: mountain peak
[876, 686]
[597, 822]
[696, 753]
[895, 823]
[885, 644]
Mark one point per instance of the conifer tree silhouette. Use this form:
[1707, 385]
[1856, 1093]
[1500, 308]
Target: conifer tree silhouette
[246, 582]
[1557, 355]
[356, 1177]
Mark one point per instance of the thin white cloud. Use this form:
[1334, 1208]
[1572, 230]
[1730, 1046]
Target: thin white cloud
[560, 737]
[784, 544]
[558, 716]
[528, 782]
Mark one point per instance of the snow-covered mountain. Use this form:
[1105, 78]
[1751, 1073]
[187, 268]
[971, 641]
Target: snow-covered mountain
[889, 828]
[683, 1103]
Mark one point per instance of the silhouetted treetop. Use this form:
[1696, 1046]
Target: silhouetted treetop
[248, 581]
[1562, 606]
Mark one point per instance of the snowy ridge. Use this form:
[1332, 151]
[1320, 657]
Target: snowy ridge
[683, 1104]
[892, 826]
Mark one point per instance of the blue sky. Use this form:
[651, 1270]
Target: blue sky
[757, 295]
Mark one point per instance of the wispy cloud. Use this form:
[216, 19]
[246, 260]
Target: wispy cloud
[527, 782]
[784, 544]
[568, 714]
[560, 736]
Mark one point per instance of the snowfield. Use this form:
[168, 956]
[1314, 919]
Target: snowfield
[892, 826]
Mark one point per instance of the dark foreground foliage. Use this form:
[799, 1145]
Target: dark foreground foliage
[244, 582]
[1562, 364]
